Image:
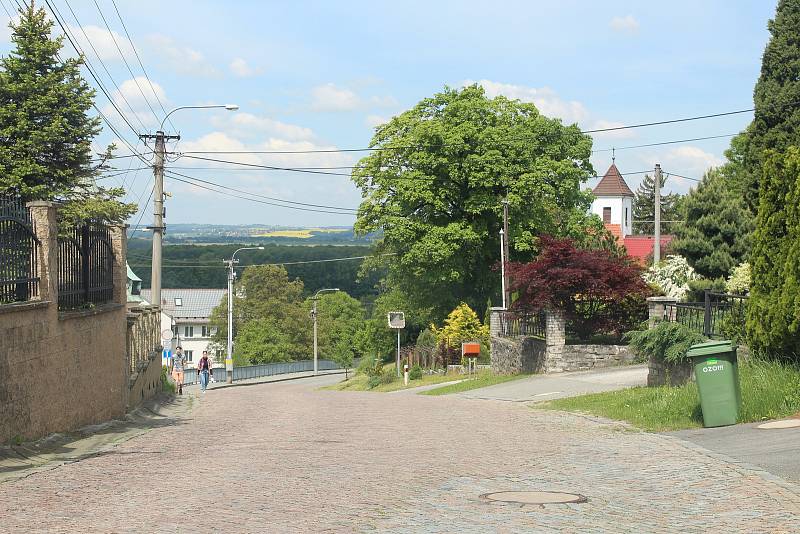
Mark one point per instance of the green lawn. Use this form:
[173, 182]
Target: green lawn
[484, 379]
[359, 381]
[770, 390]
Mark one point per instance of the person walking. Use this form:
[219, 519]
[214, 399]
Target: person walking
[204, 369]
[177, 363]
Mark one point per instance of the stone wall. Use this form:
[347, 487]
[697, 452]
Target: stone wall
[669, 374]
[582, 357]
[62, 370]
[525, 354]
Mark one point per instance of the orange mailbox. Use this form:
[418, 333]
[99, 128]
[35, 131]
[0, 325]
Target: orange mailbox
[471, 349]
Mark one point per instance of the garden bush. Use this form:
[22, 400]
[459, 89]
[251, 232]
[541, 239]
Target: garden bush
[667, 342]
[739, 280]
[415, 373]
[671, 276]
[697, 288]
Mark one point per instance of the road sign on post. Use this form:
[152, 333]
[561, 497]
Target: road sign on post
[397, 321]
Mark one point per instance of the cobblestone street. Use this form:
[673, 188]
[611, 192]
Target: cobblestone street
[287, 457]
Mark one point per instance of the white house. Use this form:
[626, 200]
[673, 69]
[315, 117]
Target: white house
[613, 203]
[186, 313]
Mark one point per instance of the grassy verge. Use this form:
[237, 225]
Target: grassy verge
[359, 382]
[484, 379]
[770, 390]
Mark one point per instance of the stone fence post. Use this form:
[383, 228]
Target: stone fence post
[119, 242]
[494, 321]
[555, 341]
[45, 226]
[656, 308]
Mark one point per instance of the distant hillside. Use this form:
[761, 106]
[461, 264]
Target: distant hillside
[205, 234]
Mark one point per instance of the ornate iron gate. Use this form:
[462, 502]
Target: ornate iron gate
[19, 253]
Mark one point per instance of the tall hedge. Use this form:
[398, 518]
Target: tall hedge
[773, 319]
[776, 124]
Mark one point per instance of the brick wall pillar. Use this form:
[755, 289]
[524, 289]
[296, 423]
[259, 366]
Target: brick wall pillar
[494, 321]
[45, 225]
[656, 307]
[119, 242]
[555, 341]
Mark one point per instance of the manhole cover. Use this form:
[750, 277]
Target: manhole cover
[534, 497]
[788, 423]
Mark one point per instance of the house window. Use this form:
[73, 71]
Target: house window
[188, 331]
[607, 215]
[627, 222]
[189, 355]
[178, 301]
[206, 331]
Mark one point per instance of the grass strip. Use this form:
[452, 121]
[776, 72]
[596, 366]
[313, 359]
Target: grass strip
[483, 380]
[359, 382]
[770, 390]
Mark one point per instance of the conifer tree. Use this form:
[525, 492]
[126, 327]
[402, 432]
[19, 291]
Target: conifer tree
[644, 203]
[776, 124]
[45, 130]
[715, 236]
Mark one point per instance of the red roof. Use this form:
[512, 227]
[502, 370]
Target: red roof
[612, 185]
[641, 246]
[615, 230]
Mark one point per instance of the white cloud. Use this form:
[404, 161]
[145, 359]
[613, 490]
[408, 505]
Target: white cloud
[239, 67]
[689, 161]
[247, 124]
[101, 43]
[137, 94]
[375, 120]
[545, 99]
[626, 24]
[330, 97]
[183, 59]
[5, 30]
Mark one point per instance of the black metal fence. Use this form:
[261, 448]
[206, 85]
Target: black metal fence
[19, 253]
[265, 369]
[512, 324]
[85, 267]
[721, 315]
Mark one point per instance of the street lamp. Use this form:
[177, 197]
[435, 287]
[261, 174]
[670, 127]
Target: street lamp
[158, 195]
[315, 298]
[231, 275]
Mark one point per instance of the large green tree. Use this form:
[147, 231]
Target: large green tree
[339, 318]
[644, 205]
[45, 130]
[715, 236]
[773, 318]
[273, 304]
[435, 183]
[776, 123]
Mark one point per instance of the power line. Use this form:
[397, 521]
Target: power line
[139, 59]
[262, 196]
[102, 63]
[144, 209]
[172, 176]
[268, 167]
[56, 15]
[350, 258]
[665, 143]
[124, 59]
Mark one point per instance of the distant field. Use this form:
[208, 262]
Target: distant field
[305, 233]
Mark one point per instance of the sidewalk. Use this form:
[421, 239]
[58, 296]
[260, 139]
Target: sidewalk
[557, 386]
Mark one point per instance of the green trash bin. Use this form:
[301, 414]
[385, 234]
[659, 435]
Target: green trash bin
[717, 374]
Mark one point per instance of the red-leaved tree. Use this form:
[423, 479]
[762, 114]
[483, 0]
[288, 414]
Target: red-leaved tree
[596, 291]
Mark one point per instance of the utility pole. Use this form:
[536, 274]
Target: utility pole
[502, 270]
[657, 207]
[229, 357]
[505, 238]
[158, 211]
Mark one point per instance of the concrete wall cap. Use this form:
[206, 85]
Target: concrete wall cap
[41, 204]
[661, 299]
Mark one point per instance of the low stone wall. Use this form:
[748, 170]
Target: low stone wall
[582, 357]
[669, 374]
[517, 355]
[146, 382]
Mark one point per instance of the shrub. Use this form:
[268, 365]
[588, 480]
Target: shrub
[461, 325]
[585, 285]
[671, 276]
[666, 341]
[415, 373]
[697, 288]
[373, 382]
[739, 280]
[166, 384]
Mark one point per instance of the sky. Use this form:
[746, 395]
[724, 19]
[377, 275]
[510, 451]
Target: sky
[310, 75]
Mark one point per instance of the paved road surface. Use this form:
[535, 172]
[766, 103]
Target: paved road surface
[295, 459]
[777, 451]
[556, 386]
